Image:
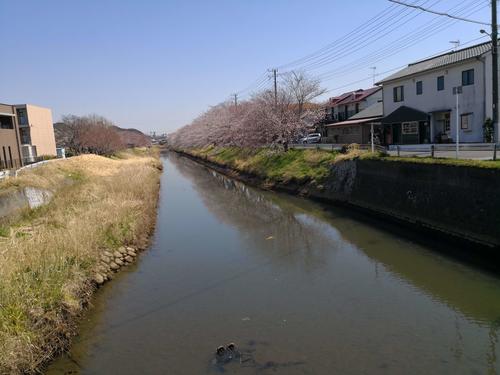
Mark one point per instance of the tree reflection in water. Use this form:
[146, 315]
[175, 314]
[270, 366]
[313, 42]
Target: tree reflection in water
[278, 232]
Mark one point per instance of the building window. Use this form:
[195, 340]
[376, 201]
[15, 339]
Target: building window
[466, 121]
[440, 83]
[399, 94]
[6, 122]
[357, 107]
[410, 127]
[420, 88]
[22, 116]
[468, 77]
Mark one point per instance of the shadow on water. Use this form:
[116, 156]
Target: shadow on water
[301, 287]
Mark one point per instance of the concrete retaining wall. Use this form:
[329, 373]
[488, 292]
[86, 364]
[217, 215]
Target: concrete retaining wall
[461, 201]
[16, 200]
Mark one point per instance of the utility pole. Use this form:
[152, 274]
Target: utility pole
[494, 55]
[457, 91]
[275, 73]
[235, 100]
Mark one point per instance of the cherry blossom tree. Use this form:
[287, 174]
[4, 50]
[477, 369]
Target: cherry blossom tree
[258, 121]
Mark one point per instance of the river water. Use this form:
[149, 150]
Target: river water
[299, 287]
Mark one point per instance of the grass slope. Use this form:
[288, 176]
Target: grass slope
[276, 166]
[304, 165]
[48, 256]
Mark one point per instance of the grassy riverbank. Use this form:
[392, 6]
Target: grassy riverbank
[49, 255]
[306, 165]
[275, 166]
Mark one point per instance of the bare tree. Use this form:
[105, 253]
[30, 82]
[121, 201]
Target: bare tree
[302, 88]
[92, 134]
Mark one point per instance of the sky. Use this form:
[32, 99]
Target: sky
[156, 64]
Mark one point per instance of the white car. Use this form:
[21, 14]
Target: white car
[312, 138]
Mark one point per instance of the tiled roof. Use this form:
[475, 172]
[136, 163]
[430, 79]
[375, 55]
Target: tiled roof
[443, 60]
[333, 101]
[375, 110]
[359, 95]
[352, 96]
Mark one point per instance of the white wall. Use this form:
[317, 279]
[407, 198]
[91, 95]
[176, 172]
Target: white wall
[471, 101]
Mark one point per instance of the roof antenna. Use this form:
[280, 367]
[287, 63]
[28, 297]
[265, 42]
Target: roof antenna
[456, 43]
[374, 69]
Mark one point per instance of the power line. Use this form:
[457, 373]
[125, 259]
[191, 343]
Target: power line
[344, 49]
[439, 13]
[337, 41]
[398, 68]
[325, 51]
[404, 43]
[395, 26]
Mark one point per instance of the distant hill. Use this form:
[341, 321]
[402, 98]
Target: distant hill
[131, 137]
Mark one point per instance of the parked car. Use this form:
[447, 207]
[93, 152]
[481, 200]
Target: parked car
[312, 138]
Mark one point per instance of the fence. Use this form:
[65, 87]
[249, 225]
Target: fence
[486, 151]
[14, 164]
[335, 146]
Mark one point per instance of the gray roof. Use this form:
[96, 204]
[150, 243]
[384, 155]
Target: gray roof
[446, 59]
[375, 110]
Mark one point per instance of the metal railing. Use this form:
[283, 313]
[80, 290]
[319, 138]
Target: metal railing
[318, 146]
[335, 146]
[487, 151]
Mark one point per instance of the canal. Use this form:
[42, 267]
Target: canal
[299, 287]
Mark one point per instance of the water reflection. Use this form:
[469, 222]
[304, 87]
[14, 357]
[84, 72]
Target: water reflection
[294, 222]
[301, 289]
[297, 222]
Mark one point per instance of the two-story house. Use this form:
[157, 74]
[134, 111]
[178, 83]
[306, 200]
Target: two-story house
[342, 107]
[420, 101]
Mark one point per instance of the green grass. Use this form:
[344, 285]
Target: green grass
[273, 165]
[309, 165]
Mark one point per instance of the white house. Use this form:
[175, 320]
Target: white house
[420, 101]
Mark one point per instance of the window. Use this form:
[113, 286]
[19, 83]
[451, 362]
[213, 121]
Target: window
[399, 94]
[468, 77]
[440, 83]
[22, 117]
[446, 122]
[466, 121]
[6, 122]
[410, 127]
[420, 88]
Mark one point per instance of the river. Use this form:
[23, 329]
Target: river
[299, 287]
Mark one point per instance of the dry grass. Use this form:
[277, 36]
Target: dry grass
[49, 255]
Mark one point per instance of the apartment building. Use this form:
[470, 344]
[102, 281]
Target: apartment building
[36, 131]
[10, 150]
[26, 133]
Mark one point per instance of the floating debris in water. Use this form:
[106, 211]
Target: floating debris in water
[224, 355]
[230, 357]
[270, 238]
